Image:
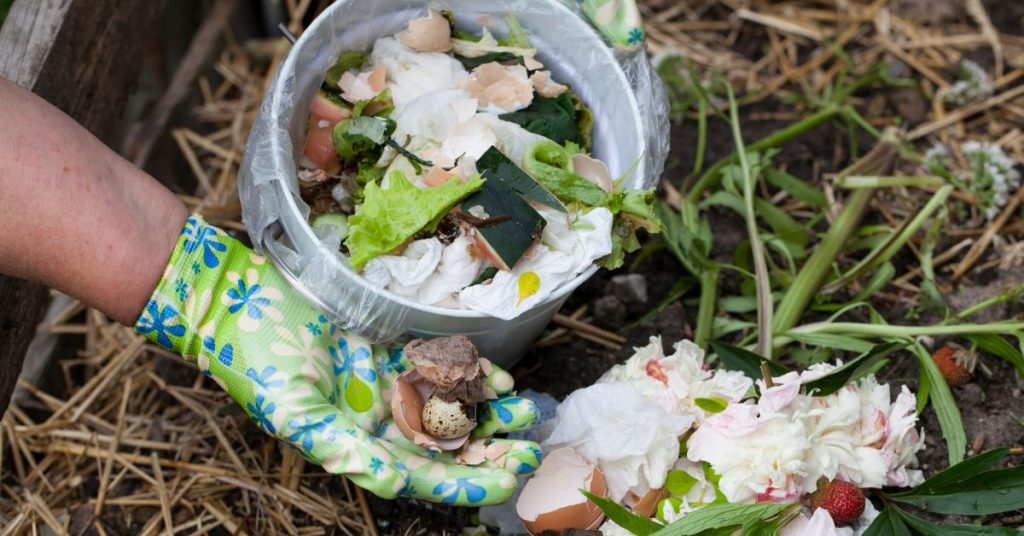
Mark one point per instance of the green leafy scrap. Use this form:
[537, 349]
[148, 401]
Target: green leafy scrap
[554, 118]
[505, 58]
[387, 218]
[551, 165]
[347, 61]
[361, 138]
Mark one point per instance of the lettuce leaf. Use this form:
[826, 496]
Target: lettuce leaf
[347, 61]
[387, 218]
[551, 165]
[362, 138]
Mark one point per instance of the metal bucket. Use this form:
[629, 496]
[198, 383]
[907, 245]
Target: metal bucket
[277, 218]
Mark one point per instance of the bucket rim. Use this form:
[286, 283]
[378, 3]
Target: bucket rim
[290, 209]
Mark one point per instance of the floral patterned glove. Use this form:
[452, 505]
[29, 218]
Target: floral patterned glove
[617, 20]
[311, 385]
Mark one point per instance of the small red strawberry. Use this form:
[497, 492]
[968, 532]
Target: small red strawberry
[954, 363]
[842, 500]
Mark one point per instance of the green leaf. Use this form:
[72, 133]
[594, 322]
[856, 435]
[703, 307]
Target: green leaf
[720, 516]
[347, 61]
[637, 524]
[551, 117]
[796, 188]
[505, 58]
[928, 528]
[1000, 347]
[851, 371]
[888, 523]
[381, 105]
[551, 165]
[358, 395]
[885, 273]
[679, 482]
[361, 138]
[833, 341]
[516, 34]
[389, 217]
[712, 405]
[745, 361]
[923, 388]
[944, 404]
[968, 488]
[948, 480]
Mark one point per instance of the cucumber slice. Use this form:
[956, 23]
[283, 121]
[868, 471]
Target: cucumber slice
[336, 224]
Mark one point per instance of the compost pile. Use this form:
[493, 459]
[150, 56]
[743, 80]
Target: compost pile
[131, 440]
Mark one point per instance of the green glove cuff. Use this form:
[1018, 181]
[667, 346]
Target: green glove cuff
[618, 21]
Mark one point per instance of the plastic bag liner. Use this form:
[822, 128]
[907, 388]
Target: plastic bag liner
[630, 135]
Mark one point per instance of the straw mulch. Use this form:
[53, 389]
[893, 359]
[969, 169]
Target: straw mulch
[134, 441]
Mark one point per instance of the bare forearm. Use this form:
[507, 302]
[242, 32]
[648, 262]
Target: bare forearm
[76, 216]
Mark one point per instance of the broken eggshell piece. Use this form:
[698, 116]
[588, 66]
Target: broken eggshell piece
[428, 34]
[646, 504]
[551, 500]
[499, 88]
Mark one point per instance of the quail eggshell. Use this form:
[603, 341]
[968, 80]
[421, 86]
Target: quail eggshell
[551, 500]
[410, 395]
[446, 420]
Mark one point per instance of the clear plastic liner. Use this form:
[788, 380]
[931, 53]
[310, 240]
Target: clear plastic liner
[630, 135]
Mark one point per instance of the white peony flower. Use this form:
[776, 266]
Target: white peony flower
[675, 382]
[612, 425]
[759, 458]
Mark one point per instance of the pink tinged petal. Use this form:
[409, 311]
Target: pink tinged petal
[774, 399]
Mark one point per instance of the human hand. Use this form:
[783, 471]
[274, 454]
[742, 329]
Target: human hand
[313, 386]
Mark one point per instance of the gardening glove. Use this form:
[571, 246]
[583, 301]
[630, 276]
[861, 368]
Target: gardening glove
[313, 386]
[617, 20]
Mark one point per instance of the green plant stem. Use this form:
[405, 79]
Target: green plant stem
[706, 307]
[713, 174]
[887, 249]
[885, 330]
[1009, 294]
[765, 305]
[702, 136]
[858, 181]
[808, 280]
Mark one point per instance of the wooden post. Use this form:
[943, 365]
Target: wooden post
[84, 57]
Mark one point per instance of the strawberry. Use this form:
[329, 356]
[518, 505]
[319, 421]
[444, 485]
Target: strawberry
[953, 362]
[842, 500]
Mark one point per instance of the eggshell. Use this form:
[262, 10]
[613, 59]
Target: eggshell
[593, 170]
[647, 503]
[551, 500]
[410, 394]
[428, 34]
